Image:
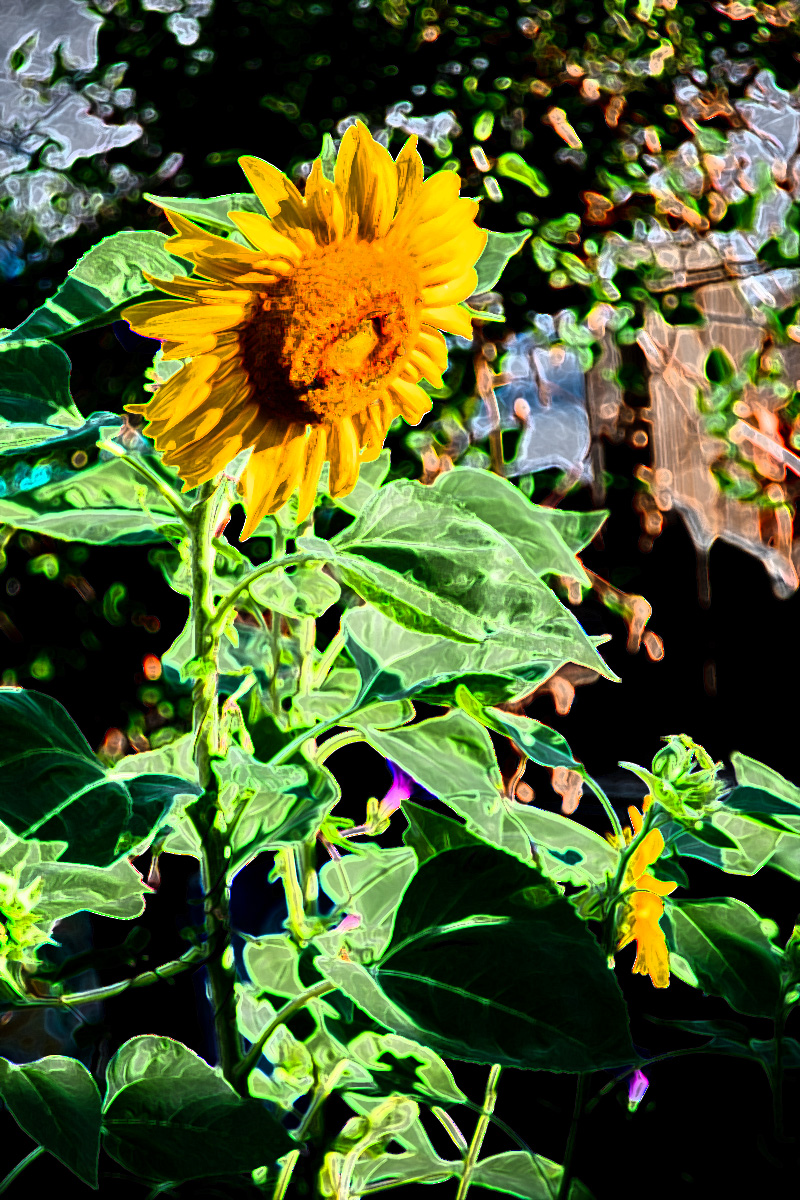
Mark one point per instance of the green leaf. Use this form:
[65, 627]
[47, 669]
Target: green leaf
[54, 789]
[34, 385]
[429, 564]
[56, 1102]
[430, 833]
[168, 1116]
[499, 248]
[431, 1074]
[489, 963]
[568, 851]
[337, 694]
[418, 1157]
[394, 662]
[212, 211]
[36, 456]
[103, 281]
[755, 843]
[765, 808]
[369, 884]
[751, 773]
[517, 1173]
[576, 529]
[539, 742]
[526, 526]
[99, 505]
[307, 592]
[725, 946]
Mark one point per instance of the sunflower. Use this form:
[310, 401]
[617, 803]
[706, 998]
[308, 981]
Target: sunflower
[307, 343]
[644, 907]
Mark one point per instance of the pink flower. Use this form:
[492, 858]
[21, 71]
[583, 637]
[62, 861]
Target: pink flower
[402, 786]
[636, 1089]
[351, 921]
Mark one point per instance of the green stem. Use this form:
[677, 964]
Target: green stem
[287, 560]
[489, 1102]
[337, 741]
[775, 1072]
[203, 812]
[329, 656]
[307, 734]
[569, 1154]
[276, 620]
[20, 1167]
[250, 1060]
[607, 805]
[285, 1175]
[192, 958]
[150, 476]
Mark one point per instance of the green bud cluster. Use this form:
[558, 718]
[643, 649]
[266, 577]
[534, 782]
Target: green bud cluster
[683, 780]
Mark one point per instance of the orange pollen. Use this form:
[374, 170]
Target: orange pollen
[325, 341]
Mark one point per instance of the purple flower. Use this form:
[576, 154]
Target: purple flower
[636, 1089]
[351, 921]
[402, 786]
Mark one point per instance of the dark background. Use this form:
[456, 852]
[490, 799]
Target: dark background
[704, 1125]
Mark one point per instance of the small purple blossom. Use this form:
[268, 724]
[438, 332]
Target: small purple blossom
[402, 786]
[351, 921]
[636, 1089]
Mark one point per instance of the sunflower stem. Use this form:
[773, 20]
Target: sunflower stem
[569, 1154]
[278, 549]
[203, 812]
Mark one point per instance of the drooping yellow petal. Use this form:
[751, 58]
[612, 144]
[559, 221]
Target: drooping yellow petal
[316, 449]
[217, 257]
[343, 456]
[453, 258]
[200, 290]
[450, 318]
[411, 401]
[273, 466]
[432, 342]
[189, 348]
[268, 183]
[426, 366]
[190, 383]
[424, 238]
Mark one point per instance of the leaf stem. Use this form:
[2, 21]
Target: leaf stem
[288, 750]
[569, 1154]
[329, 656]
[286, 560]
[337, 742]
[470, 1161]
[151, 477]
[20, 1167]
[250, 1060]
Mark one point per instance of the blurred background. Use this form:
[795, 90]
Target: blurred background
[646, 363]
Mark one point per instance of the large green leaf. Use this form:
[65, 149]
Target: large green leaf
[395, 663]
[211, 211]
[370, 478]
[433, 567]
[499, 248]
[33, 457]
[724, 943]
[755, 843]
[102, 282]
[538, 742]
[528, 527]
[430, 833]
[418, 1157]
[489, 963]
[105, 504]
[53, 788]
[532, 1176]
[56, 1101]
[336, 695]
[34, 385]
[168, 1115]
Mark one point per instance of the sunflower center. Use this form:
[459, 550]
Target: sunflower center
[327, 339]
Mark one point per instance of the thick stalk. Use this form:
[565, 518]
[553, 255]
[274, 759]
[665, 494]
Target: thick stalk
[204, 812]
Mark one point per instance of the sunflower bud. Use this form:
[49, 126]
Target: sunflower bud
[689, 795]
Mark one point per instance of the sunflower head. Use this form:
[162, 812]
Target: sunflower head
[305, 344]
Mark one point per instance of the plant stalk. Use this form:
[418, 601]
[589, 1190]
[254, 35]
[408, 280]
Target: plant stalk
[204, 812]
[569, 1154]
[470, 1161]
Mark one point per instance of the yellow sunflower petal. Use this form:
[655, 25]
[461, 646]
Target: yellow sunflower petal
[659, 887]
[182, 424]
[263, 235]
[174, 319]
[343, 455]
[432, 342]
[190, 348]
[186, 390]
[438, 193]
[425, 237]
[451, 318]
[425, 364]
[198, 290]
[453, 258]
[216, 256]
[324, 205]
[410, 400]
[273, 465]
[316, 448]
[452, 292]
[209, 454]
[369, 431]
[635, 818]
[409, 173]
[365, 176]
